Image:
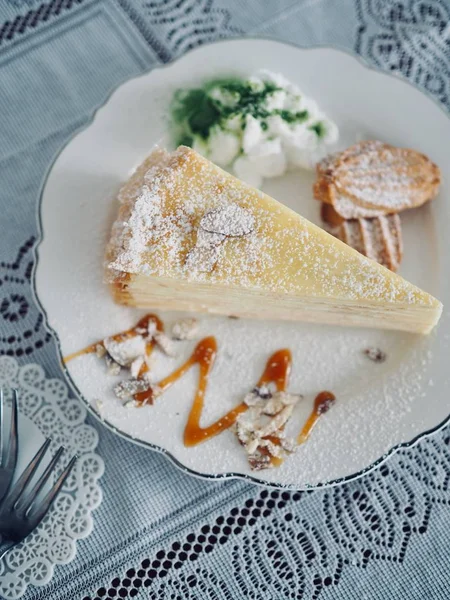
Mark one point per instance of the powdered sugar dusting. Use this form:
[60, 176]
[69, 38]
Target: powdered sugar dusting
[231, 221]
[204, 255]
[378, 177]
[124, 352]
[280, 251]
[347, 209]
[216, 226]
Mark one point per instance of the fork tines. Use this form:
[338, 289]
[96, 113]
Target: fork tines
[21, 506]
[22, 500]
[8, 445]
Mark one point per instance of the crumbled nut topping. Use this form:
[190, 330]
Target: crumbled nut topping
[127, 388]
[185, 329]
[325, 406]
[164, 343]
[261, 428]
[126, 351]
[100, 350]
[136, 366]
[375, 354]
[112, 368]
[279, 419]
[131, 404]
[259, 462]
[257, 394]
[152, 329]
[131, 353]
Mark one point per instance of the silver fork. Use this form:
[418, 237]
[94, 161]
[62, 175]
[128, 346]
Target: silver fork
[21, 511]
[8, 446]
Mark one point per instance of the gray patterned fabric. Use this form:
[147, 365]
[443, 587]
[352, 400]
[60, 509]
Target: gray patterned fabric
[160, 533]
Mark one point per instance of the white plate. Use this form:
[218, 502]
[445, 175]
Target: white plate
[380, 406]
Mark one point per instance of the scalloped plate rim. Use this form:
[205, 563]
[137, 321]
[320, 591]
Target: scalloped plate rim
[68, 378]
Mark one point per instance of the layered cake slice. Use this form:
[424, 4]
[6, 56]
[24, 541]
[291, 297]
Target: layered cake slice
[189, 236]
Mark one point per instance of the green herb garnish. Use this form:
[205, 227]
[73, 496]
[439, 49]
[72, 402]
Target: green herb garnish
[195, 109]
[195, 112]
[290, 117]
[319, 128]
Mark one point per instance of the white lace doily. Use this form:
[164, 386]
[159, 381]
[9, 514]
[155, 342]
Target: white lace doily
[46, 403]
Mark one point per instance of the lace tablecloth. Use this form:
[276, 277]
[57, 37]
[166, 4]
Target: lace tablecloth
[159, 533]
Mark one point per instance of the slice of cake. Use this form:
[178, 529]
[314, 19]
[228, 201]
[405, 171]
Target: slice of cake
[189, 236]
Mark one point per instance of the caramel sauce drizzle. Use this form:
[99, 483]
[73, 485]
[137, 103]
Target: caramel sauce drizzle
[205, 355]
[322, 404]
[88, 350]
[277, 371]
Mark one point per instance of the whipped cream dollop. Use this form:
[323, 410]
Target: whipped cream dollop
[259, 127]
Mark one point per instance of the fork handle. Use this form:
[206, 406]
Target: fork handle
[5, 547]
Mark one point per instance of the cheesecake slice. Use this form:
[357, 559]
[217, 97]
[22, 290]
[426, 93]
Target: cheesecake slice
[189, 236]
